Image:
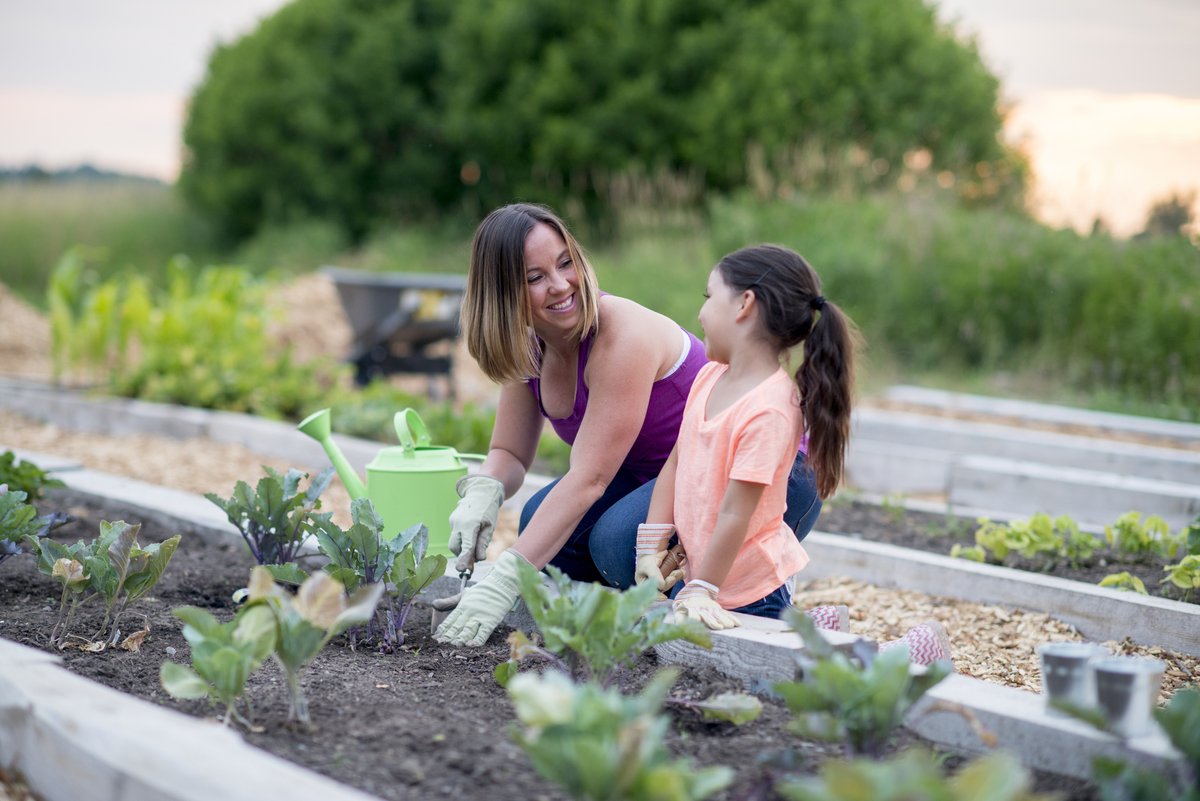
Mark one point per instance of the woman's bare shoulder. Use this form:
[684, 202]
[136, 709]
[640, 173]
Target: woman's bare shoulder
[630, 329]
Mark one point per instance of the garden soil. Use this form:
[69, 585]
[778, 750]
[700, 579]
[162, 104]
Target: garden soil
[426, 722]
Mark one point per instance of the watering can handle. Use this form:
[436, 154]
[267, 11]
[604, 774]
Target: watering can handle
[411, 429]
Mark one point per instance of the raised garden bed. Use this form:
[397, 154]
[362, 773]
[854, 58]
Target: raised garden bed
[894, 524]
[428, 722]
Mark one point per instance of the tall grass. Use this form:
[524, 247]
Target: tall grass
[980, 299]
[130, 225]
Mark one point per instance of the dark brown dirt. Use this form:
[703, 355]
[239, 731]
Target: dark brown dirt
[427, 722]
[938, 533]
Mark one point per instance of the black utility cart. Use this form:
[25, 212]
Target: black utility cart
[401, 322]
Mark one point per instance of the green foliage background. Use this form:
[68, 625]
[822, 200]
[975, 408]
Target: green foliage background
[356, 111]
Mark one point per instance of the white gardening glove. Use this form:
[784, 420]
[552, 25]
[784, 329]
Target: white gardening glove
[474, 518]
[484, 605]
[698, 601]
[652, 559]
[650, 551]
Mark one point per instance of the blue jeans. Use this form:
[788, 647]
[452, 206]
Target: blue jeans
[601, 548]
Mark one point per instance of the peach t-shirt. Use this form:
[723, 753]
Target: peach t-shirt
[753, 440]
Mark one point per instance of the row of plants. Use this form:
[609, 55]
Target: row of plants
[1131, 539]
[577, 724]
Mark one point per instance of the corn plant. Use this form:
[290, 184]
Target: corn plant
[600, 745]
[913, 774]
[860, 702]
[275, 519]
[223, 656]
[112, 566]
[24, 476]
[590, 631]
[361, 555]
[307, 621]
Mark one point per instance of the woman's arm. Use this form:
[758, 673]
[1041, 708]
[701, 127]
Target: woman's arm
[514, 437]
[624, 363]
[733, 520]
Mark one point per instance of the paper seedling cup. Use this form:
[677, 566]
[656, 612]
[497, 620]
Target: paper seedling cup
[1127, 691]
[1066, 675]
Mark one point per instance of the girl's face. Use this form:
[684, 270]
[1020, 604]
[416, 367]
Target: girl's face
[551, 281]
[718, 317]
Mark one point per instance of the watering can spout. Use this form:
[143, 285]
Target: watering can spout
[316, 425]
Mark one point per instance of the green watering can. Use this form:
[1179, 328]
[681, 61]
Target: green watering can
[410, 484]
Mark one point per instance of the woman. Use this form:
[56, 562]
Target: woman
[611, 376]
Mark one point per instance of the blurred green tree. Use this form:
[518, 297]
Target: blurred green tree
[1169, 216]
[354, 110]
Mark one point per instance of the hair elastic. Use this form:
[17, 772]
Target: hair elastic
[817, 303]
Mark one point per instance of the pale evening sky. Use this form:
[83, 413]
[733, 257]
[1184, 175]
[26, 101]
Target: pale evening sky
[1105, 93]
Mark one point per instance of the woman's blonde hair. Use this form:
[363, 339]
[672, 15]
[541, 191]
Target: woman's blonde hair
[496, 317]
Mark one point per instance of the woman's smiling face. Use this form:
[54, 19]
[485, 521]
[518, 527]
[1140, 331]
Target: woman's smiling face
[551, 280]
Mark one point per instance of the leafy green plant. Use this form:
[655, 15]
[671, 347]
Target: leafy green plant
[1039, 536]
[361, 555]
[223, 656]
[114, 567]
[275, 519]
[1185, 574]
[894, 508]
[913, 774]
[307, 621]
[590, 631]
[24, 476]
[973, 553]
[599, 744]
[1124, 581]
[858, 702]
[1137, 538]
[202, 340]
[19, 522]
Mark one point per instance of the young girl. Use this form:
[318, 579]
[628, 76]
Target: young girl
[723, 488]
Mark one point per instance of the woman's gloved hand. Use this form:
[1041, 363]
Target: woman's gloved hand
[483, 606]
[650, 553]
[698, 601]
[473, 520]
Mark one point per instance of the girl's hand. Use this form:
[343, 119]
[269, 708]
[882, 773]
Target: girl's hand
[698, 601]
[650, 553]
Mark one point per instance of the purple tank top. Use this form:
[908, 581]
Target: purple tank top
[660, 428]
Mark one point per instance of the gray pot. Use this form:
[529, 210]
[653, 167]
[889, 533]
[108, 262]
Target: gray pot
[1066, 674]
[1127, 691]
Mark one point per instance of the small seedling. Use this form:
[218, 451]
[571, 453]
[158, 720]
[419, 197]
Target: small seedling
[274, 519]
[599, 744]
[1124, 581]
[223, 656]
[590, 631]
[24, 476]
[307, 621]
[860, 702]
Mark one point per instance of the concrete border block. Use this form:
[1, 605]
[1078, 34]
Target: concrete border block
[1099, 613]
[1086, 495]
[758, 649]
[47, 462]
[1044, 412]
[901, 431]
[1021, 723]
[73, 738]
[877, 466]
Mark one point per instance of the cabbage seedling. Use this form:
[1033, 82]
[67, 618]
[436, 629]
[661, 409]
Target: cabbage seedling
[307, 621]
[223, 656]
[19, 522]
[599, 744]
